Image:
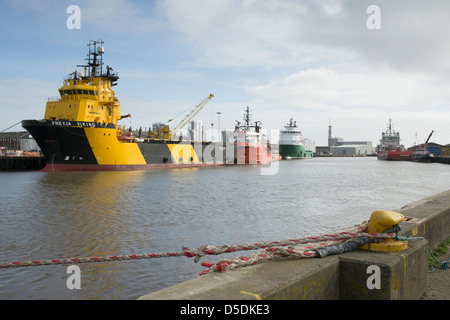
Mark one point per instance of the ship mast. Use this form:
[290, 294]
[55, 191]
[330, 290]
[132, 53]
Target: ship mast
[94, 66]
[247, 117]
[248, 124]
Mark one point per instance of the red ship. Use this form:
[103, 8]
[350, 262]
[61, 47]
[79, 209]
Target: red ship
[390, 147]
[252, 147]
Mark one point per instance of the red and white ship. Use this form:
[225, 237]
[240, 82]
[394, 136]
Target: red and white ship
[252, 146]
[390, 147]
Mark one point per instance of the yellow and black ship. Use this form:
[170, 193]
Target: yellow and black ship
[80, 129]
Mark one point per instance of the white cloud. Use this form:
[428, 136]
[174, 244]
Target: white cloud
[230, 33]
[366, 100]
[324, 88]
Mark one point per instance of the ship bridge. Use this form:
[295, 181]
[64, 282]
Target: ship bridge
[87, 95]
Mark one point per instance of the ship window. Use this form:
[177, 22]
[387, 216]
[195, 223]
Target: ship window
[74, 91]
[96, 93]
[85, 92]
[79, 91]
[91, 92]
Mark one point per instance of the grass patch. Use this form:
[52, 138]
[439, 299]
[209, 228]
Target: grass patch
[442, 248]
[439, 251]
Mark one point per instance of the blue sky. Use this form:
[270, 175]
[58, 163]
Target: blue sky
[313, 60]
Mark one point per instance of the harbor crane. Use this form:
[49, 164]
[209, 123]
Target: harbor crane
[168, 136]
[432, 131]
[163, 132]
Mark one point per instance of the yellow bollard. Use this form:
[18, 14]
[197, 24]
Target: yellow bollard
[380, 221]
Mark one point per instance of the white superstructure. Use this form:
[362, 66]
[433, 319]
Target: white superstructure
[291, 134]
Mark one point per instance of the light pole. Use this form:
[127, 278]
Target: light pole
[218, 117]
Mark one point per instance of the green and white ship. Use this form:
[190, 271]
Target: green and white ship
[292, 144]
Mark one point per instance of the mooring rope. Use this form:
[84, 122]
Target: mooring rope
[277, 252]
[442, 265]
[306, 247]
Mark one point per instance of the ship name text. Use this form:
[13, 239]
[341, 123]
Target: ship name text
[63, 123]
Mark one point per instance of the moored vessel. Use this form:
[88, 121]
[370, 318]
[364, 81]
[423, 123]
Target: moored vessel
[422, 154]
[81, 131]
[292, 142]
[390, 147]
[252, 146]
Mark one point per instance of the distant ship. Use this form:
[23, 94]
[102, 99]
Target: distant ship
[81, 132]
[390, 147]
[421, 153]
[252, 146]
[292, 143]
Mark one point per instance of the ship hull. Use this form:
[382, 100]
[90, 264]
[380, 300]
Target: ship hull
[290, 151]
[88, 146]
[247, 153]
[394, 155]
[89, 167]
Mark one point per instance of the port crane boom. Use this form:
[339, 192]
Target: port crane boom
[190, 116]
[429, 136]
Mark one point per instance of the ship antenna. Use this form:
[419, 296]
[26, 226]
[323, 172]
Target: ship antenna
[95, 58]
[247, 116]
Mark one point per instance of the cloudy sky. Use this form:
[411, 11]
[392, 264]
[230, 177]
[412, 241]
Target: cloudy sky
[318, 61]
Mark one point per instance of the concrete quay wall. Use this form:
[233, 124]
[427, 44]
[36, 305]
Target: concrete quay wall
[359, 274]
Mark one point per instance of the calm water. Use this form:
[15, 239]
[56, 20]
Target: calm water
[66, 215]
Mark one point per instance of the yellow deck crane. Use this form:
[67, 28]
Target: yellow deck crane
[167, 134]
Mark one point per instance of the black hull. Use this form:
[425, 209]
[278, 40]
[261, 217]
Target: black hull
[74, 146]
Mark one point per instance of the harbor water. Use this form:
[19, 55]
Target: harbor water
[85, 214]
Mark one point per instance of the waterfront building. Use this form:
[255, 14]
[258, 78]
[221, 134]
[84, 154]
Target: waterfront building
[338, 146]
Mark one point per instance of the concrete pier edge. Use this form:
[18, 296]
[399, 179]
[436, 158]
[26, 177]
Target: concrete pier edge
[402, 274]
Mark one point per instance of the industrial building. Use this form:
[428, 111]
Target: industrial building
[338, 147]
[12, 143]
[355, 148]
[433, 148]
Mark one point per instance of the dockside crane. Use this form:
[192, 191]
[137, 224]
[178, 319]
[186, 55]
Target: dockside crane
[188, 118]
[429, 137]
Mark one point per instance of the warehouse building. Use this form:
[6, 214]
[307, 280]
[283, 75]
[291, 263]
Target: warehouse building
[353, 148]
[12, 142]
